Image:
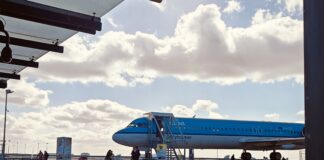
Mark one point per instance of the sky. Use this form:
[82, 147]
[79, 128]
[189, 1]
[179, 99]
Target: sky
[235, 59]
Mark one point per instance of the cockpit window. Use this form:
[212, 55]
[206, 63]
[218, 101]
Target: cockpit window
[132, 125]
[137, 125]
[142, 125]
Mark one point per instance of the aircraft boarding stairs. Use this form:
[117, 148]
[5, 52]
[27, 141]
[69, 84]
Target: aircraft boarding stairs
[168, 132]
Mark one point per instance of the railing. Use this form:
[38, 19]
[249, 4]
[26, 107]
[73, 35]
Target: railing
[169, 125]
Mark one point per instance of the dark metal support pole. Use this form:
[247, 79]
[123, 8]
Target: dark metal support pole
[314, 78]
[4, 129]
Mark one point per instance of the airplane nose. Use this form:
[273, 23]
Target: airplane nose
[117, 137]
[121, 138]
[131, 140]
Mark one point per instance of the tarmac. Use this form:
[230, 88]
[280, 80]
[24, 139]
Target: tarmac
[77, 157]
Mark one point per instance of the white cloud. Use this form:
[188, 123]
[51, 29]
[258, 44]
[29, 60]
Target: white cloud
[180, 110]
[292, 5]
[232, 6]
[108, 60]
[203, 48]
[26, 94]
[272, 117]
[90, 123]
[301, 116]
[262, 16]
[112, 22]
[205, 105]
[301, 113]
[200, 107]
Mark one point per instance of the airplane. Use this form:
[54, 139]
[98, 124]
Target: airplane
[198, 133]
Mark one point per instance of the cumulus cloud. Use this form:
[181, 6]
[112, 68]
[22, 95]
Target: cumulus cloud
[26, 94]
[107, 60]
[272, 117]
[111, 21]
[205, 104]
[301, 116]
[292, 5]
[199, 108]
[232, 6]
[202, 48]
[180, 110]
[91, 121]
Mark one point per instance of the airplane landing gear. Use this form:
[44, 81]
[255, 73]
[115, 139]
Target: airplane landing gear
[275, 155]
[246, 155]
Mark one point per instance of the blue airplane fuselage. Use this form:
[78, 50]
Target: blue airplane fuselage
[211, 133]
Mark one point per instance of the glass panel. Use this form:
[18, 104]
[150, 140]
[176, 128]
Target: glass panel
[44, 33]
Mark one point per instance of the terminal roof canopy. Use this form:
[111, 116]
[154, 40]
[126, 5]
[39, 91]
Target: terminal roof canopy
[29, 32]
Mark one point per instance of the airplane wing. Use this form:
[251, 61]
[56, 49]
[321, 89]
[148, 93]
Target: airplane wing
[283, 143]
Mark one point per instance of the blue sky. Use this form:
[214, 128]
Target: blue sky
[246, 60]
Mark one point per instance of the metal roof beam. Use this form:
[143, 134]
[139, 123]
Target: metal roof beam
[49, 15]
[23, 63]
[33, 44]
[3, 83]
[10, 75]
[157, 1]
